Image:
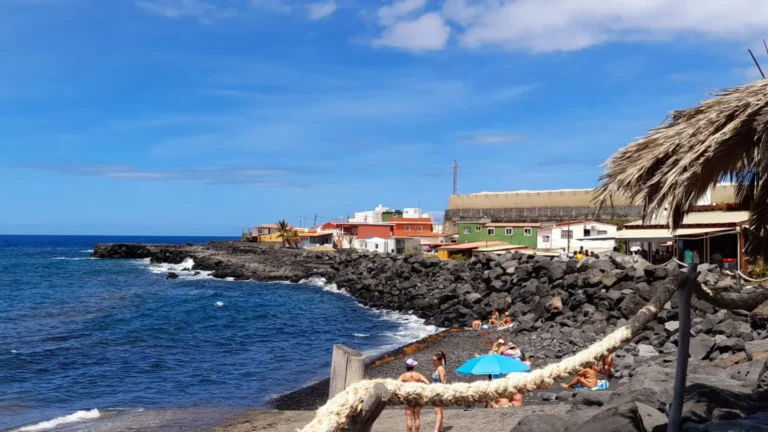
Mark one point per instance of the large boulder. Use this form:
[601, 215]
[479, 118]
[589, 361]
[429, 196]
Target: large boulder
[759, 316]
[701, 346]
[704, 403]
[540, 423]
[756, 349]
[631, 305]
[761, 387]
[627, 417]
[590, 398]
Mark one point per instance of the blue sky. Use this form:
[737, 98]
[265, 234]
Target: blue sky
[208, 116]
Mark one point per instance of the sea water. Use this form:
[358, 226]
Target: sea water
[82, 338]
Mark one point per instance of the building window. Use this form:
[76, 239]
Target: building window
[566, 234]
[491, 231]
[376, 246]
[407, 228]
[508, 231]
[419, 228]
[545, 239]
[602, 232]
[478, 228]
[467, 230]
[354, 230]
[527, 231]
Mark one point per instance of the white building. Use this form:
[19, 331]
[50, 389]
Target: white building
[370, 216]
[311, 240]
[567, 235]
[413, 212]
[376, 244]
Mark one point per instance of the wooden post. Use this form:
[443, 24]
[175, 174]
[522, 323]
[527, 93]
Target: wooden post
[374, 404]
[683, 345]
[347, 367]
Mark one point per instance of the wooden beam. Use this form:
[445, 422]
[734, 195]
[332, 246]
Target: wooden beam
[347, 367]
[373, 405]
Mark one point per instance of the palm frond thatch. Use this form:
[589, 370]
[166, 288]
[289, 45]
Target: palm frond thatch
[725, 137]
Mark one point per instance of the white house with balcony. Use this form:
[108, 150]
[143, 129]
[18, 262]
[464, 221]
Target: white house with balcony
[567, 235]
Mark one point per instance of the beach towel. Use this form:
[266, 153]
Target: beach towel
[601, 385]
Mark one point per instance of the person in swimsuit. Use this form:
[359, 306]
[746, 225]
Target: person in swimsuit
[439, 377]
[412, 413]
[476, 325]
[507, 318]
[587, 378]
[607, 366]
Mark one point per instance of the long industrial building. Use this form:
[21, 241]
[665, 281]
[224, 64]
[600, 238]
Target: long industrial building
[552, 206]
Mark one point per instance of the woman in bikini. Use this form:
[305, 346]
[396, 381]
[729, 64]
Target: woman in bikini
[412, 413]
[439, 377]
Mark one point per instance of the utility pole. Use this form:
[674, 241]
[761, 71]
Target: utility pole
[314, 223]
[455, 177]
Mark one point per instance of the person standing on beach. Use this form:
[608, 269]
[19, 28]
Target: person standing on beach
[439, 377]
[412, 412]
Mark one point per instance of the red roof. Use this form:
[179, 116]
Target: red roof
[362, 223]
[410, 220]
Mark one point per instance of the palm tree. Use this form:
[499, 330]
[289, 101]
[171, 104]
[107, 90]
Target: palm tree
[725, 137]
[283, 230]
[293, 238]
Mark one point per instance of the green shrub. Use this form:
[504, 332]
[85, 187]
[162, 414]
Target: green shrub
[758, 269]
[458, 257]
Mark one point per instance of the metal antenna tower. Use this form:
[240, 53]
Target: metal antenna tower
[455, 177]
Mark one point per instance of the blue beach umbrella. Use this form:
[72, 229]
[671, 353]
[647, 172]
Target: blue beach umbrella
[492, 364]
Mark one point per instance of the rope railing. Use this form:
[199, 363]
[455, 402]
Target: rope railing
[337, 412]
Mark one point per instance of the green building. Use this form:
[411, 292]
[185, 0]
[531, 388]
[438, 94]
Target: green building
[387, 215]
[520, 234]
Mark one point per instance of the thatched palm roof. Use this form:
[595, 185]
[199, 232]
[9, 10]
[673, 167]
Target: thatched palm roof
[671, 168]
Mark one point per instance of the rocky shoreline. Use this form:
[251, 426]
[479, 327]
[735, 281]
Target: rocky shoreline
[560, 306]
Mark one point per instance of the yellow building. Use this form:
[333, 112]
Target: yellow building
[270, 238]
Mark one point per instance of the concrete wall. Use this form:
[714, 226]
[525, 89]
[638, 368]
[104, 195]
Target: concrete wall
[722, 193]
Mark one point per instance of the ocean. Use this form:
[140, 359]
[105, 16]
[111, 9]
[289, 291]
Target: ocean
[83, 339]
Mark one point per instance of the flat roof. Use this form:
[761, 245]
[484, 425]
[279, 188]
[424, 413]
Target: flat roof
[514, 224]
[409, 220]
[531, 191]
[698, 218]
[657, 233]
[501, 248]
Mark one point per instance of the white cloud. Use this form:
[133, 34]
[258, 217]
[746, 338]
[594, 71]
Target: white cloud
[492, 138]
[320, 10]
[389, 15]
[429, 32]
[197, 9]
[563, 25]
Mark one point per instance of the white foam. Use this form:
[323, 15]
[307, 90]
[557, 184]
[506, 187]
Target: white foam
[87, 250]
[321, 282]
[71, 418]
[73, 259]
[219, 304]
[183, 269]
[412, 328]
[13, 351]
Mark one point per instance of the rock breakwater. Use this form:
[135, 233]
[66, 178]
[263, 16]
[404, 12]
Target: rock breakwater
[560, 306]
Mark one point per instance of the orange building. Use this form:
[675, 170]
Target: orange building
[411, 227]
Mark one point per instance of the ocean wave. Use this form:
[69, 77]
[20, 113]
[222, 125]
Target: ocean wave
[322, 282]
[360, 335]
[219, 304]
[183, 269]
[411, 327]
[87, 251]
[71, 418]
[73, 259]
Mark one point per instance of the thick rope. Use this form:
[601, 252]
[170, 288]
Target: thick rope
[746, 278]
[336, 413]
